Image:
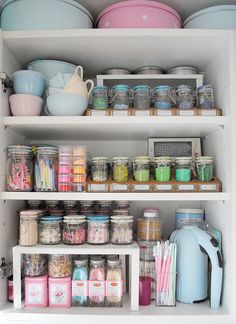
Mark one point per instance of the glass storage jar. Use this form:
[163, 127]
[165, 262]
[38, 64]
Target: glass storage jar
[120, 97]
[74, 229]
[50, 229]
[97, 279]
[34, 265]
[205, 97]
[46, 168]
[87, 207]
[122, 204]
[19, 168]
[162, 168]
[98, 229]
[99, 169]
[142, 97]
[80, 279]
[122, 212]
[114, 289]
[59, 265]
[183, 169]
[204, 166]
[184, 97]
[100, 98]
[104, 207]
[150, 226]
[121, 229]
[28, 235]
[141, 168]
[120, 169]
[34, 204]
[163, 97]
[52, 204]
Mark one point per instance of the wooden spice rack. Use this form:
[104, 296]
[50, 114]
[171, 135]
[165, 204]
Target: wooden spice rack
[154, 186]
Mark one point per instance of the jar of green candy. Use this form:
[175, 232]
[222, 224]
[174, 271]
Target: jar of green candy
[204, 166]
[100, 98]
[183, 169]
[162, 168]
[120, 167]
[141, 168]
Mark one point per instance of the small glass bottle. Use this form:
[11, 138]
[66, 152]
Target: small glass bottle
[28, 228]
[80, 278]
[204, 166]
[183, 169]
[100, 169]
[50, 229]
[141, 169]
[120, 169]
[205, 97]
[100, 98]
[162, 168]
[97, 279]
[120, 97]
[184, 97]
[142, 97]
[74, 229]
[114, 283]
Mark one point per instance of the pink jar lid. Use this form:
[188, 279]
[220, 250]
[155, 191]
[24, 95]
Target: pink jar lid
[33, 279]
[65, 279]
[135, 3]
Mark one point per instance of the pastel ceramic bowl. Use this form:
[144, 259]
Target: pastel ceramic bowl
[25, 105]
[60, 80]
[66, 104]
[52, 91]
[29, 82]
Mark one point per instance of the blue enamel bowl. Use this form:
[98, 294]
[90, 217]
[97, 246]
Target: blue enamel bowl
[29, 82]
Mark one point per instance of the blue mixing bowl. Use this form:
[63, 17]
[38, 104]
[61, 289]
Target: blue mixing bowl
[66, 104]
[29, 82]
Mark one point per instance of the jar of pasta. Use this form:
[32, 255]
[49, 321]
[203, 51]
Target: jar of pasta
[114, 283]
[59, 265]
[150, 226]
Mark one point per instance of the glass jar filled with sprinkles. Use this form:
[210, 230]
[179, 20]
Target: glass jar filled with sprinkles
[204, 167]
[98, 229]
[141, 168]
[74, 229]
[100, 169]
[120, 97]
[50, 229]
[162, 168]
[100, 98]
[183, 169]
[120, 167]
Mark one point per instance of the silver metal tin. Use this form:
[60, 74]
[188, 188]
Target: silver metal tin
[117, 71]
[185, 69]
[149, 69]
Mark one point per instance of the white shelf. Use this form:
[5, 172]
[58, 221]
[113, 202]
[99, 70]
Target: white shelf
[112, 127]
[115, 196]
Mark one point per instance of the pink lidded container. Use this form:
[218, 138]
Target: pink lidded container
[36, 291]
[139, 14]
[59, 292]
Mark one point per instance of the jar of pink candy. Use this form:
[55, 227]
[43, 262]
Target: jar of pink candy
[98, 229]
[74, 229]
[19, 168]
[97, 279]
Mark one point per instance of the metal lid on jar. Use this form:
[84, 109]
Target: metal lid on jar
[184, 69]
[204, 160]
[120, 159]
[81, 262]
[114, 262]
[149, 69]
[100, 158]
[19, 149]
[183, 160]
[65, 150]
[117, 71]
[122, 218]
[142, 159]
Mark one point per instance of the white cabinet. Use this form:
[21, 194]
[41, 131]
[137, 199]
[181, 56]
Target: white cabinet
[214, 53]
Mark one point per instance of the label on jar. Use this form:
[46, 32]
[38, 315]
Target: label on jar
[143, 187]
[98, 112]
[113, 288]
[142, 112]
[96, 288]
[163, 112]
[164, 187]
[120, 112]
[186, 112]
[208, 112]
[34, 294]
[119, 187]
[97, 187]
[208, 187]
[79, 288]
[58, 294]
[186, 187]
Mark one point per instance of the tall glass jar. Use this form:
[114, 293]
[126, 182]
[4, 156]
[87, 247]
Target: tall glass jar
[142, 97]
[100, 98]
[162, 168]
[204, 166]
[34, 265]
[184, 97]
[46, 168]
[162, 96]
[120, 97]
[74, 229]
[121, 229]
[98, 229]
[141, 169]
[97, 279]
[150, 226]
[28, 235]
[205, 97]
[114, 290]
[80, 279]
[19, 168]
[100, 169]
[59, 265]
[120, 169]
[183, 169]
[50, 230]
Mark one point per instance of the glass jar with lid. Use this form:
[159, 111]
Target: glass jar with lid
[74, 229]
[97, 278]
[34, 265]
[142, 97]
[150, 226]
[46, 168]
[114, 289]
[205, 97]
[19, 168]
[204, 166]
[162, 168]
[120, 97]
[122, 204]
[70, 204]
[100, 98]
[183, 169]
[120, 169]
[121, 229]
[59, 265]
[122, 212]
[98, 229]
[52, 204]
[104, 207]
[100, 169]
[80, 279]
[87, 207]
[163, 97]
[141, 168]
[34, 204]
[184, 97]
[50, 229]
[28, 235]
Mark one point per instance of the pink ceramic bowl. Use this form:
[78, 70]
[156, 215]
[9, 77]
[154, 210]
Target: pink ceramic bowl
[25, 105]
[139, 14]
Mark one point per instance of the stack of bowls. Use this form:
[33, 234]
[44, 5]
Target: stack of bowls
[29, 87]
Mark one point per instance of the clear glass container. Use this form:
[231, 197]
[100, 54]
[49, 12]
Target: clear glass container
[141, 169]
[34, 204]
[87, 207]
[97, 279]
[142, 97]
[204, 166]
[122, 204]
[184, 97]
[34, 265]
[74, 229]
[120, 97]
[150, 226]
[59, 265]
[70, 204]
[46, 168]
[98, 229]
[114, 289]
[80, 279]
[28, 235]
[205, 97]
[50, 230]
[19, 168]
[122, 212]
[100, 169]
[52, 204]
[120, 169]
[162, 169]
[163, 97]
[104, 207]
[183, 169]
[121, 231]
[100, 98]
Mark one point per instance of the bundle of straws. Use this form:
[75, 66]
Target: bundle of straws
[165, 258]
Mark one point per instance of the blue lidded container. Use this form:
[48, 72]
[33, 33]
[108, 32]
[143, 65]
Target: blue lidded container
[98, 229]
[163, 97]
[189, 217]
[120, 97]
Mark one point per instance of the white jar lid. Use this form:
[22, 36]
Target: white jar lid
[189, 211]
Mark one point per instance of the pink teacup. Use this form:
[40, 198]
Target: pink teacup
[25, 105]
